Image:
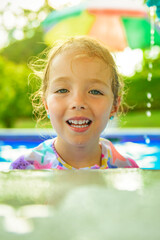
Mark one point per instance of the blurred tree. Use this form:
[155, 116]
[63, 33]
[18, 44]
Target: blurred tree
[20, 51]
[25, 36]
[14, 92]
[24, 40]
[19, 22]
[140, 90]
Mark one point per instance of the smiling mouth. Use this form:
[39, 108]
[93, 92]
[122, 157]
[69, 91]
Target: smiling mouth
[79, 123]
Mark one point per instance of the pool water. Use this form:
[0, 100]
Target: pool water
[143, 148]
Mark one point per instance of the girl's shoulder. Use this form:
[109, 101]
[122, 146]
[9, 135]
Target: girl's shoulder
[40, 157]
[114, 158]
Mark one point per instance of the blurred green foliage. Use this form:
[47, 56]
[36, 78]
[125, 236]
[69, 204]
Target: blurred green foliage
[14, 72]
[14, 92]
[139, 87]
[20, 51]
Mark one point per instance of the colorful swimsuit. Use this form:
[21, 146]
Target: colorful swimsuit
[44, 156]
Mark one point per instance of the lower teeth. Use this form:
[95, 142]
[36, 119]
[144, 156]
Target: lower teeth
[78, 126]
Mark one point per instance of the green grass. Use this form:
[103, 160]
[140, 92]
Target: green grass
[131, 120]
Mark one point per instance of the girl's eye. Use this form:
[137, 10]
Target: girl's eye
[62, 91]
[95, 92]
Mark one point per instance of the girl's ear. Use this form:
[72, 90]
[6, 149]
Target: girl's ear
[115, 108]
[45, 105]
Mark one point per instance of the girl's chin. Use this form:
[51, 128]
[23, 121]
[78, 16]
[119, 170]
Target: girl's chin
[81, 141]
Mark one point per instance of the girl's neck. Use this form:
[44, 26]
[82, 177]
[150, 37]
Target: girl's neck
[79, 156]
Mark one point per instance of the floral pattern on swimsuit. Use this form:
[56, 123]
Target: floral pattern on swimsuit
[44, 156]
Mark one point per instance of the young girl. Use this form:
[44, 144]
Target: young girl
[80, 91]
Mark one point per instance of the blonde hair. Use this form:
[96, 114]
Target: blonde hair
[83, 44]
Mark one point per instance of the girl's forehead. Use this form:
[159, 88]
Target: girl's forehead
[76, 56]
[79, 64]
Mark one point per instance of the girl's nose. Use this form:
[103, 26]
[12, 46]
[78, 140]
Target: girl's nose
[78, 107]
[78, 102]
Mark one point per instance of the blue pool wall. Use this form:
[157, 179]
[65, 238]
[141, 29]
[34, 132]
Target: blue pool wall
[31, 137]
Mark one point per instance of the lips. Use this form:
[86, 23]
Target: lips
[79, 118]
[79, 121]
[79, 124]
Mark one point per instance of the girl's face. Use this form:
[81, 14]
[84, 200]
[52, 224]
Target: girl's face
[79, 98]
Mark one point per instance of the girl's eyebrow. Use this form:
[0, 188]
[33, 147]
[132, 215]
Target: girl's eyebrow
[60, 79]
[98, 81]
[92, 81]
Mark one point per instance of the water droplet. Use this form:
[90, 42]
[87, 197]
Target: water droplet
[148, 104]
[147, 139]
[152, 11]
[149, 76]
[148, 113]
[149, 95]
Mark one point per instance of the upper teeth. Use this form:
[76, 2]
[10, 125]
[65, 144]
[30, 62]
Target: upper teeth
[78, 121]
